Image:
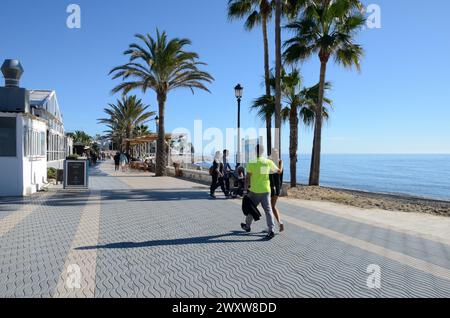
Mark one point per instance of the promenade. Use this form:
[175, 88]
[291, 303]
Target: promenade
[133, 235]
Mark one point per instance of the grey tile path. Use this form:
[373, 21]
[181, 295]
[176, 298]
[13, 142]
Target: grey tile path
[133, 235]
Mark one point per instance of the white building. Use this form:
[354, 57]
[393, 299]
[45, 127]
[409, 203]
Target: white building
[32, 136]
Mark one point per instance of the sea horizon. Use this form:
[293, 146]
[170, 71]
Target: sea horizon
[417, 175]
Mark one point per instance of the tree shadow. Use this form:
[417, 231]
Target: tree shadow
[212, 239]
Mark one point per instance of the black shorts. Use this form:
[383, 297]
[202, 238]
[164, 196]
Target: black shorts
[275, 185]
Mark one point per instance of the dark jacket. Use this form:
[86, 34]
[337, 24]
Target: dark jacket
[216, 166]
[117, 159]
[249, 207]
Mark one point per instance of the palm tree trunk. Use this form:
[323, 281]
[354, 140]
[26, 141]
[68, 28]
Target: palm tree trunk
[314, 177]
[161, 149]
[293, 145]
[267, 80]
[127, 142]
[278, 76]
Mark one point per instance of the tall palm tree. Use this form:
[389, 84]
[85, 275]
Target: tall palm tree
[257, 13]
[124, 116]
[278, 74]
[299, 101]
[327, 28]
[161, 65]
[295, 101]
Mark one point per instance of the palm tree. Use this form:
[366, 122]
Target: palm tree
[257, 12]
[288, 8]
[123, 118]
[141, 130]
[161, 65]
[297, 102]
[278, 74]
[326, 28]
[81, 137]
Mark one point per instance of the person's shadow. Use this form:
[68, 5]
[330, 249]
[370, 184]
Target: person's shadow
[213, 239]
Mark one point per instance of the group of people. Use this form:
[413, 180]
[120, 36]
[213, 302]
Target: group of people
[121, 161]
[262, 183]
[220, 173]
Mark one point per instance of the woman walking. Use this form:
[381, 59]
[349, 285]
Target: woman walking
[123, 162]
[217, 175]
[276, 182]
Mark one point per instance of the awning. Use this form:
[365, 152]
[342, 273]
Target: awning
[149, 138]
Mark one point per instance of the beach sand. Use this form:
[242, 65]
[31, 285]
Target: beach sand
[368, 200]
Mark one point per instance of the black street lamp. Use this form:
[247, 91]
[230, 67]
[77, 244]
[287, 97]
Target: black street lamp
[238, 90]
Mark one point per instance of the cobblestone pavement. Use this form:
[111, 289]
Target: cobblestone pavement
[133, 235]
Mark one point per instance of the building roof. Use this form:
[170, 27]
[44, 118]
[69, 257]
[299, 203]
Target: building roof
[46, 100]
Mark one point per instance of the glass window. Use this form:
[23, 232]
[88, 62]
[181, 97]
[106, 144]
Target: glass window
[43, 148]
[8, 137]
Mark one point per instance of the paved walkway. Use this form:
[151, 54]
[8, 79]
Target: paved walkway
[132, 235]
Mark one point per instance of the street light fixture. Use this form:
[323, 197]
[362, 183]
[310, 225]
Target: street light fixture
[238, 91]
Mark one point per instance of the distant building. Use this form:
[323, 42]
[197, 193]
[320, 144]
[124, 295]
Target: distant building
[32, 136]
[250, 149]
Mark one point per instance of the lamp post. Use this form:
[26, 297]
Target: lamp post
[157, 132]
[238, 90]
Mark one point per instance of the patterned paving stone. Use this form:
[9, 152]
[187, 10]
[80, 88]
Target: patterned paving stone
[141, 236]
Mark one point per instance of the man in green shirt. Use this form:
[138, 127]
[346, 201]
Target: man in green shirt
[258, 178]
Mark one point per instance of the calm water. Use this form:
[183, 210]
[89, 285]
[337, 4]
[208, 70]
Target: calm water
[417, 175]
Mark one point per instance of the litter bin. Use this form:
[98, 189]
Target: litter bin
[59, 175]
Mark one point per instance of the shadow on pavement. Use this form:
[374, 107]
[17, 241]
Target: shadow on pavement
[213, 239]
[155, 195]
[95, 171]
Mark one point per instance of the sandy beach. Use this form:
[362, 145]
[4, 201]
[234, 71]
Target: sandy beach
[368, 200]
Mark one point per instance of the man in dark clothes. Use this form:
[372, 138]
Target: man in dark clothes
[117, 161]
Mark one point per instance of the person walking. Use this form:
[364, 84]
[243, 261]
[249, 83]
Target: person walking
[259, 183]
[217, 175]
[123, 162]
[116, 159]
[276, 182]
[226, 172]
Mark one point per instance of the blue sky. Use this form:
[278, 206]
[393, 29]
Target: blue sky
[399, 103]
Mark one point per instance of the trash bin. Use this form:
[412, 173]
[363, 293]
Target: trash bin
[59, 175]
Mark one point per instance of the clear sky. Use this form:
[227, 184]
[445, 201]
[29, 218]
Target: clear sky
[399, 103]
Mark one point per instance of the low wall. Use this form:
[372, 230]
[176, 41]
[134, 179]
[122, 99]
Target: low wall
[192, 175]
[203, 177]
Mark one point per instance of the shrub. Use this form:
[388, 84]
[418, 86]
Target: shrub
[73, 157]
[51, 173]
